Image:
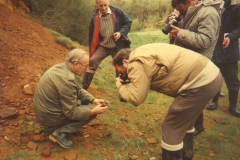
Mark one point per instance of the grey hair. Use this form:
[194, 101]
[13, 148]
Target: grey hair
[76, 55]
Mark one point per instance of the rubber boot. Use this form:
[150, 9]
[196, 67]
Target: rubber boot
[87, 79]
[61, 139]
[198, 125]
[214, 103]
[59, 135]
[171, 155]
[187, 151]
[233, 95]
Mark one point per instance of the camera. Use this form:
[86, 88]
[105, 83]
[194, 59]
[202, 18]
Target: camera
[124, 79]
[175, 18]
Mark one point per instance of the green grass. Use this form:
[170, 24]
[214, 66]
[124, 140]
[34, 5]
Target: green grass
[64, 41]
[146, 37]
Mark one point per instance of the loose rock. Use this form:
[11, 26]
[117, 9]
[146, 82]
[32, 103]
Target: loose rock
[70, 155]
[212, 154]
[46, 153]
[39, 138]
[49, 145]
[38, 131]
[8, 28]
[219, 121]
[27, 90]
[32, 145]
[32, 152]
[29, 117]
[152, 150]
[31, 123]
[20, 122]
[7, 113]
[21, 112]
[151, 140]
[25, 140]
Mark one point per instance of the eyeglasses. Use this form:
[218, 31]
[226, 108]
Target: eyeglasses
[86, 65]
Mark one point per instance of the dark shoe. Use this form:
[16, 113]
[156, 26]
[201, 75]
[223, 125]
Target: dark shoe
[221, 94]
[187, 151]
[171, 155]
[212, 106]
[234, 111]
[87, 79]
[121, 99]
[198, 131]
[198, 125]
[60, 138]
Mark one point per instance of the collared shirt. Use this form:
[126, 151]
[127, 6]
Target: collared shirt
[108, 12]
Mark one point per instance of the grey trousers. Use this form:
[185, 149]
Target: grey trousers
[99, 55]
[72, 126]
[183, 112]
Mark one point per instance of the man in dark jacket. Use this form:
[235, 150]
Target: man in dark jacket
[108, 28]
[226, 53]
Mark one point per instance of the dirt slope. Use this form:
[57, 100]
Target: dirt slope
[26, 50]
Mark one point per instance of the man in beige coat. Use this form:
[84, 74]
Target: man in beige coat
[189, 77]
[61, 102]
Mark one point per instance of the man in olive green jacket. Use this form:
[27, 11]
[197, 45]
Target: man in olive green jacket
[61, 102]
[189, 77]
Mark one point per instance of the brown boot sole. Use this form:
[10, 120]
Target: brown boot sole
[54, 140]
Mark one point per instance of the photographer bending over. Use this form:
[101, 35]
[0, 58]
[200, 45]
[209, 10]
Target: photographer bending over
[166, 68]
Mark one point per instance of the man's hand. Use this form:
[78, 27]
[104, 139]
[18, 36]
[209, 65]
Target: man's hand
[116, 36]
[100, 101]
[99, 109]
[174, 30]
[170, 16]
[226, 42]
[118, 82]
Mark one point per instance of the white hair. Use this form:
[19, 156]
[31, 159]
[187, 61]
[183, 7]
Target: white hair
[76, 55]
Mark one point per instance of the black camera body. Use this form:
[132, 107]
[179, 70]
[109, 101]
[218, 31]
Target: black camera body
[122, 77]
[175, 18]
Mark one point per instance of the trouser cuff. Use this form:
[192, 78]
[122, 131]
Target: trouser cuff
[90, 71]
[190, 131]
[172, 147]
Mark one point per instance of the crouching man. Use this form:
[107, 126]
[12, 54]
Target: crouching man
[177, 72]
[61, 102]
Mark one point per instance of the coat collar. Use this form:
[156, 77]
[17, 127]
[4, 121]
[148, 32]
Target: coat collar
[108, 12]
[69, 68]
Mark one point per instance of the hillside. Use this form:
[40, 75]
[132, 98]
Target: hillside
[26, 50]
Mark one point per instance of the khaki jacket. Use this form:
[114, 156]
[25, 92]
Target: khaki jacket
[200, 28]
[57, 97]
[164, 68]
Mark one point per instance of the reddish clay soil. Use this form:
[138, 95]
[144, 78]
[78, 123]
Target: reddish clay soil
[26, 50]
